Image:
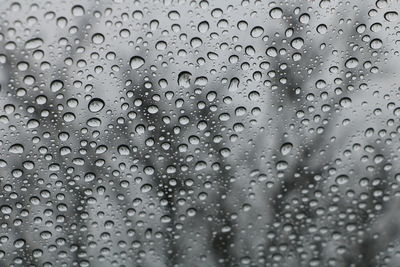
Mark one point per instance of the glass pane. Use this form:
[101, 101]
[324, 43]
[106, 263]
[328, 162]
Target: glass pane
[199, 133]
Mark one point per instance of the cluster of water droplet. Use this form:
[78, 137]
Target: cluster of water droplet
[232, 133]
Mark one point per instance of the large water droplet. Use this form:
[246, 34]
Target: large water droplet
[276, 13]
[123, 150]
[34, 43]
[16, 149]
[136, 62]
[98, 38]
[391, 16]
[297, 43]
[257, 32]
[184, 79]
[96, 104]
[351, 63]
[286, 148]
[56, 85]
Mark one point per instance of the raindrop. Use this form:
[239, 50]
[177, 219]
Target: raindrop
[184, 79]
[297, 43]
[96, 104]
[34, 43]
[376, 44]
[136, 62]
[276, 13]
[351, 63]
[78, 11]
[342, 179]
[286, 148]
[146, 188]
[98, 38]
[257, 32]
[196, 42]
[345, 102]
[16, 149]
[56, 86]
[203, 27]
[123, 150]
[391, 16]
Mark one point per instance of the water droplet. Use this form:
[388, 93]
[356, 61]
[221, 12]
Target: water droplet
[203, 27]
[297, 43]
[78, 11]
[351, 63]
[34, 43]
[16, 149]
[184, 79]
[136, 62]
[376, 43]
[276, 13]
[123, 150]
[56, 86]
[286, 148]
[96, 104]
[342, 179]
[196, 42]
[391, 16]
[345, 102]
[146, 188]
[257, 32]
[98, 38]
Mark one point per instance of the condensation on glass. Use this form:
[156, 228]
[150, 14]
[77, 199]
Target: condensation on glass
[199, 133]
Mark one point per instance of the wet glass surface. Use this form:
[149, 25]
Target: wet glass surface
[199, 133]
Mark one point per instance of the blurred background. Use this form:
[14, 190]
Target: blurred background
[199, 133]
